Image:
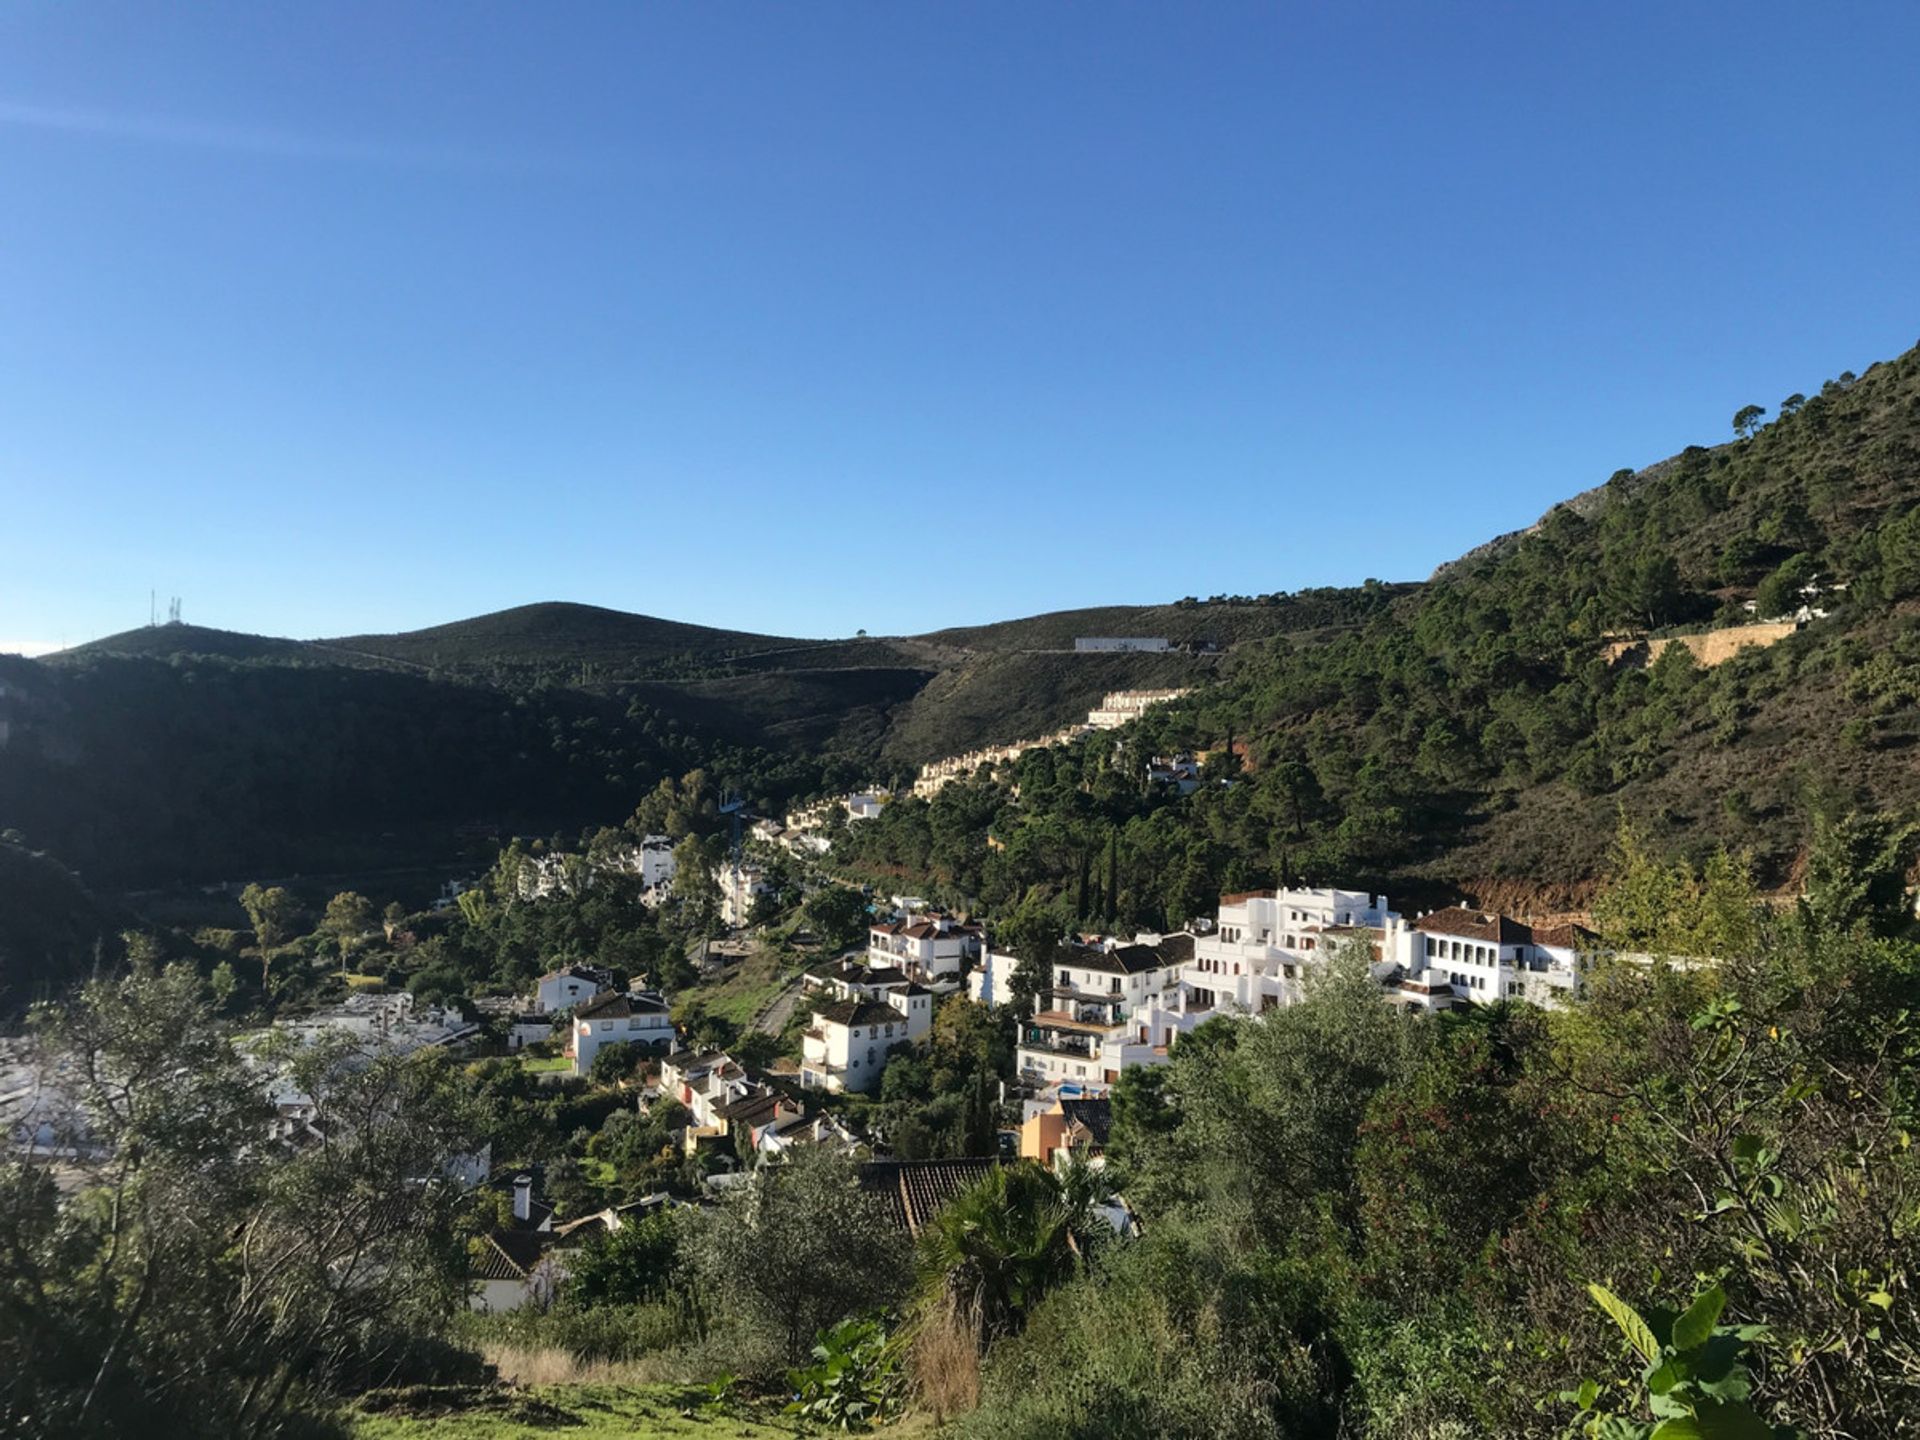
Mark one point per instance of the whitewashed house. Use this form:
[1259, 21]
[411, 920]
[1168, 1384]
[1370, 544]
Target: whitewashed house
[616, 1019]
[934, 949]
[849, 1041]
[1483, 957]
[566, 987]
[512, 1264]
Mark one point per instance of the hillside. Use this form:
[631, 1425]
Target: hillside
[1471, 735]
[588, 641]
[51, 927]
[1223, 621]
[1464, 733]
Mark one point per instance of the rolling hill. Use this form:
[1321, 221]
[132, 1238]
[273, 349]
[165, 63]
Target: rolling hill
[1469, 728]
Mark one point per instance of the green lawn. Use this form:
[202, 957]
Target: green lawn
[585, 1412]
[544, 1064]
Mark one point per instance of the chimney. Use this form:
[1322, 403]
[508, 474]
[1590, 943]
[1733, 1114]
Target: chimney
[523, 1197]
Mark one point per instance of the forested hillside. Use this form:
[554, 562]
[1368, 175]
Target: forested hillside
[1475, 735]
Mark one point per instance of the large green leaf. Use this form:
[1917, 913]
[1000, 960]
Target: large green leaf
[1695, 1327]
[1628, 1319]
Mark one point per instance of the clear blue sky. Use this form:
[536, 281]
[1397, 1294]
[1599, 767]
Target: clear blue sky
[809, 317]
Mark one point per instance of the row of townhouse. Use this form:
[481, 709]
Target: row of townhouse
[726, 1101]
[1116, 708]
[1109, 1004]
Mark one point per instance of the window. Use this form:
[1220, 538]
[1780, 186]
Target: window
[606, 1025]
[870, 1055]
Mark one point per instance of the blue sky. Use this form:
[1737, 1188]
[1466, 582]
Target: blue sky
[806, 318]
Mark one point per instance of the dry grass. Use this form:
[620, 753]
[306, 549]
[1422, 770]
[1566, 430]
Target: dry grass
[946, 1365]
[551, 1365]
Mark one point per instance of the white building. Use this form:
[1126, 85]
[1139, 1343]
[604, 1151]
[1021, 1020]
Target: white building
[652, 860]
[848, 1044]
[741, 883]
[528, 1029]
[566, 987]
[1110, 1005]
[991, 981]
[1257, 955]
[614, 1019]
[1122, 707]
[512, 1266]
[1483, 957]
[934, 950]
[863, 805]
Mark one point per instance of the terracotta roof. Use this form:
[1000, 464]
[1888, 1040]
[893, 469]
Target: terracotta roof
[750, 1109]
[1475, 925]
[612, 1005]
[914, 1191]
[1121, 960]
[507, 1255]
[1176, 948]
[860, 1012]
[1093, 1116]
[615, 1006]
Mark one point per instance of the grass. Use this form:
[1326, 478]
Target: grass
[581, 1412]
[544, 1064]
[749, 985]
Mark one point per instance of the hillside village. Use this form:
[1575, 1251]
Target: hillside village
[1084, 1012]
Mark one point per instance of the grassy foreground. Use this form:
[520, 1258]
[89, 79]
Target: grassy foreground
[580, 1412]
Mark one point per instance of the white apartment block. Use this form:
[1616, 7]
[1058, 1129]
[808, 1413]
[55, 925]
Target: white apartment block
[1111, 1005]
[1122, 707]
[1266, 943]
[1263, 941]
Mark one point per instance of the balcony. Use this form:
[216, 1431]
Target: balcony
[1071, 1047]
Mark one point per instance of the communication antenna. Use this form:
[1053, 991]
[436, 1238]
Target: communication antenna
[173, 611]
[153, 608]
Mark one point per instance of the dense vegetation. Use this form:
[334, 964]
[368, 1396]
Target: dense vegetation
[1476, 732]
[1352, 1220]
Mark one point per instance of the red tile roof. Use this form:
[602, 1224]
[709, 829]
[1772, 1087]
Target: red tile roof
[1475, 925]
[914, 1191]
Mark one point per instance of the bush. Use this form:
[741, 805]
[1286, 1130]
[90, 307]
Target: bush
[605, 1333]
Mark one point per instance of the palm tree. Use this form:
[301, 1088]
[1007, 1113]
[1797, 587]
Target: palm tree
[993, 1252]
